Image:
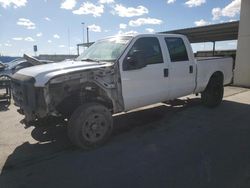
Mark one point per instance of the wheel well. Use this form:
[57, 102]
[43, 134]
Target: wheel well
[68, 105]
[218, 75]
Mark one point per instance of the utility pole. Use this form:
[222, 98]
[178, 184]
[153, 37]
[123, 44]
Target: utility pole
[83, 32]
[69, 40]
[88, 35]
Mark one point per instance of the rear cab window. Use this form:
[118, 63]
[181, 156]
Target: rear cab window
[177, 49]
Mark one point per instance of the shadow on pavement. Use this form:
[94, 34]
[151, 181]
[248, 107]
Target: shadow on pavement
[165, 146]
[4, 105]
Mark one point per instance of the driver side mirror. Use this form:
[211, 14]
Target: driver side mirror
[134, 61]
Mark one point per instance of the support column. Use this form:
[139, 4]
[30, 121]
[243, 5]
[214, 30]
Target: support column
[242, 64]
[78, 53]
[213, 48]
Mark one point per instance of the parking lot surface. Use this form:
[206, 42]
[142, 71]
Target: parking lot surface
[182, 144]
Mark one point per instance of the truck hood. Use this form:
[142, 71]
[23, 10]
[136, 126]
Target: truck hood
[43, 73]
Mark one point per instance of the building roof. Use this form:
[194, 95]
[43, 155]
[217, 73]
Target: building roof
[210, 33]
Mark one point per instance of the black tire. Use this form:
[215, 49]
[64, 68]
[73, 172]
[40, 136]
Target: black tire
[90, 125]
[213, 94]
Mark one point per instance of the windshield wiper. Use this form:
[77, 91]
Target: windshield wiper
[109, 60]
[88, 59]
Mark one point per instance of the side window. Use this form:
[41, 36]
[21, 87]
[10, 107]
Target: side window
[150, 48]
[177, 49]
[145, 51]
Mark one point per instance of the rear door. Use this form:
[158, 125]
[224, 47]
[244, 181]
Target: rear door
[148, 83]
[182, 67]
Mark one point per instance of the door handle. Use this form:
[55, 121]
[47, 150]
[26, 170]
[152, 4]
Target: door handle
[165, 72]
[191, 69]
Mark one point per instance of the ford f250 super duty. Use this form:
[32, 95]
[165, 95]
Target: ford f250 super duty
[118, 74]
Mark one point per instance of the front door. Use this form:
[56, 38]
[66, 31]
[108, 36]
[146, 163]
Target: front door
[144, 74]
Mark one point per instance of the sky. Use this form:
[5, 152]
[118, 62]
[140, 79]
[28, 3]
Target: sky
[56, 26]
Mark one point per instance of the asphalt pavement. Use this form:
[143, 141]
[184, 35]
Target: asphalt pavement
[182, 144]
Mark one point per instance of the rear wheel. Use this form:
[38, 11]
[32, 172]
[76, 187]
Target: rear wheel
[90, 125]
[213, 94]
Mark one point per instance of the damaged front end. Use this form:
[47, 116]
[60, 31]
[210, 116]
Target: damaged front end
[28, 98]
[64, 93]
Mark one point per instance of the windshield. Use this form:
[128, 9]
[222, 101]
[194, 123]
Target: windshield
[105, 50]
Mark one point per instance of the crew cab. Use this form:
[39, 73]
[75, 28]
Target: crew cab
[118, 74]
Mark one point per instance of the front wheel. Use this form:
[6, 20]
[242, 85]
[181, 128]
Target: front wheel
[90, 125]
[213, 94]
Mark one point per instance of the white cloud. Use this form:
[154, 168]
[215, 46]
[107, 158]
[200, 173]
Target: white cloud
[195, 3]
[231, 10]
[56, 36]
[122, 11]
[14, 3]
[47, 18]
[90, 8]
[150, 30]
[17, 38]
[95, 28]
[8, 44]
[171, 1]
[68, 4]
[123, 26]
[29, 39]
[26, 23]
[132, 32]
[49, 41]
[39, 34]
[144, 21]
[216, 12]
[201, 22]
[61, 46]
[106, 1]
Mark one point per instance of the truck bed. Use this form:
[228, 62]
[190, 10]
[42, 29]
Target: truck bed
[209, 58]
[206, 66]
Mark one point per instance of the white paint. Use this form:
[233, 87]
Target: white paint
[205, 68]
[148, 85]
[44, 73]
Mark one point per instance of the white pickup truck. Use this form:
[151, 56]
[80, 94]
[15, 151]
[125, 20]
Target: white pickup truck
[118, 74]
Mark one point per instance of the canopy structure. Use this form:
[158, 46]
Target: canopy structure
[210, 33]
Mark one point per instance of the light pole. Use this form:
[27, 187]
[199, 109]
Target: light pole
[88, 35]
[83, 32]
